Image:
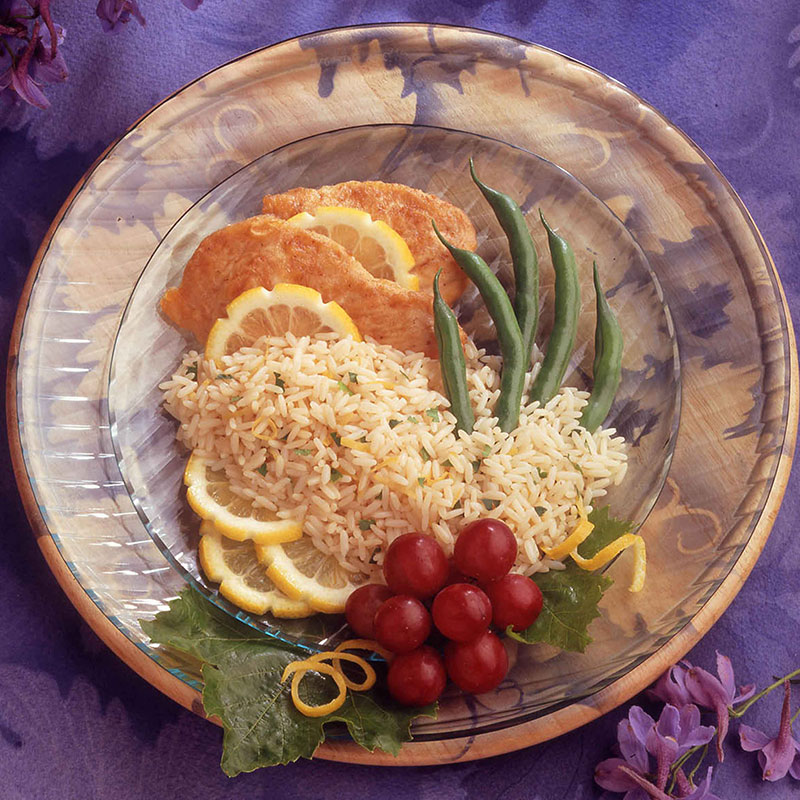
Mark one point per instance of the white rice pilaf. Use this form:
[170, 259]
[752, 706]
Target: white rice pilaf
[355, 439]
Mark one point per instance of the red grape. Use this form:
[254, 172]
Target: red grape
[461, 612]
[402, 624]
[417, 678]
[476, 666]
[415, 564]
[485, 549]
[455, 575]
[516, 601]
[361, 607]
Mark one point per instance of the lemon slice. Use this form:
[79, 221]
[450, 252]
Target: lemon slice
[303, 572]
[378, 248]
[262, 312]
[242, 578]
[211, 497]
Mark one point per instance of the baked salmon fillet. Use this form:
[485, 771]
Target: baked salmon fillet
[407, 211]
[263, 251]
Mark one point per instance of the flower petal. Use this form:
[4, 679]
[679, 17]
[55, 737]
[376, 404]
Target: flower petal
[725, 672]
[778, 758]
[641, 723]
[632, 749]
[745, 693]
[608, 775]
[752, 739]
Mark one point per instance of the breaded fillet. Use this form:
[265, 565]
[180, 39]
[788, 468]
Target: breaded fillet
[263, 251]
[408, 211]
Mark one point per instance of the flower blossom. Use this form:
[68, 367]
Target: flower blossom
[779, 755]
[686, 683]
[639, 738]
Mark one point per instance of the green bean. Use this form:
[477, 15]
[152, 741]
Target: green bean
[523, 257]
[498, 305]
[565, 321]
[607, 368]
[451, 360]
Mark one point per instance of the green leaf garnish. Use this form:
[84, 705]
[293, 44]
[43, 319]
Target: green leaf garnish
[476, 465]
[242, 669]
[447, 463]
[335, 475]
[337, 440]
[412, 419]
[279, 382]
[303, 451]
[433, 413]
[489, 503]
[353, 377]
[393, 423]
[344, 387]
[224, 376]
[540, 510]
[487, 449]
[366, 524]
[542, 472]
[191, 371]
[262, 470]
[236, 398]
[421, 481]
[426, 456]
[569, 603]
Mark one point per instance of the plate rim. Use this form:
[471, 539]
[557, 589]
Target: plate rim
[418, 753]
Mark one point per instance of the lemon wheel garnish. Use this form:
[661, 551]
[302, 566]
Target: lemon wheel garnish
[211, 498]
[285, 308]
[303, 572]
[318, 663]
[242, 578]
[378, 248]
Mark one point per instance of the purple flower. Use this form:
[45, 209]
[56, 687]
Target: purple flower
[676, 732]
[639, 737]
[718, 694]
[32, 58]
[776, 756]
[114, 14]
[192, 5]
[671, 687]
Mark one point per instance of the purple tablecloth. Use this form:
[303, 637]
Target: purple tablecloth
[75, 722]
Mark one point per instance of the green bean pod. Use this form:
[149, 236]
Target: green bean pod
[607, 368]
[451, 360]
[565, 321]
[523, 257]
[498, 305]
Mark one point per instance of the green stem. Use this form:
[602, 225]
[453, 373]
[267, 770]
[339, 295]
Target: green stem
[735, 713]
[796, 715]
[681, 761]
[690, 776]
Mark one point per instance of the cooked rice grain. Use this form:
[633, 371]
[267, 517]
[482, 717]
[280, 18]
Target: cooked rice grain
[315, 409]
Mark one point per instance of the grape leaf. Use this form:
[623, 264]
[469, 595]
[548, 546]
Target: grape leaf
[242, 669]
[606, 530]
[569, 603]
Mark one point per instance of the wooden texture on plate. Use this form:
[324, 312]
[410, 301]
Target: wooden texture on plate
[729, 309]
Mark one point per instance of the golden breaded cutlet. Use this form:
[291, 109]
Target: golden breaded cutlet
[406, 210]
[263, 251]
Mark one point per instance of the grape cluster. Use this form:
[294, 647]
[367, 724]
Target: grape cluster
[428, 596]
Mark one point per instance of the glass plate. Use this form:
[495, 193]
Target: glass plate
[148, 349]
[738, 366]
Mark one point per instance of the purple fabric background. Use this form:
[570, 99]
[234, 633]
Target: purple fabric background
[75, 722]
